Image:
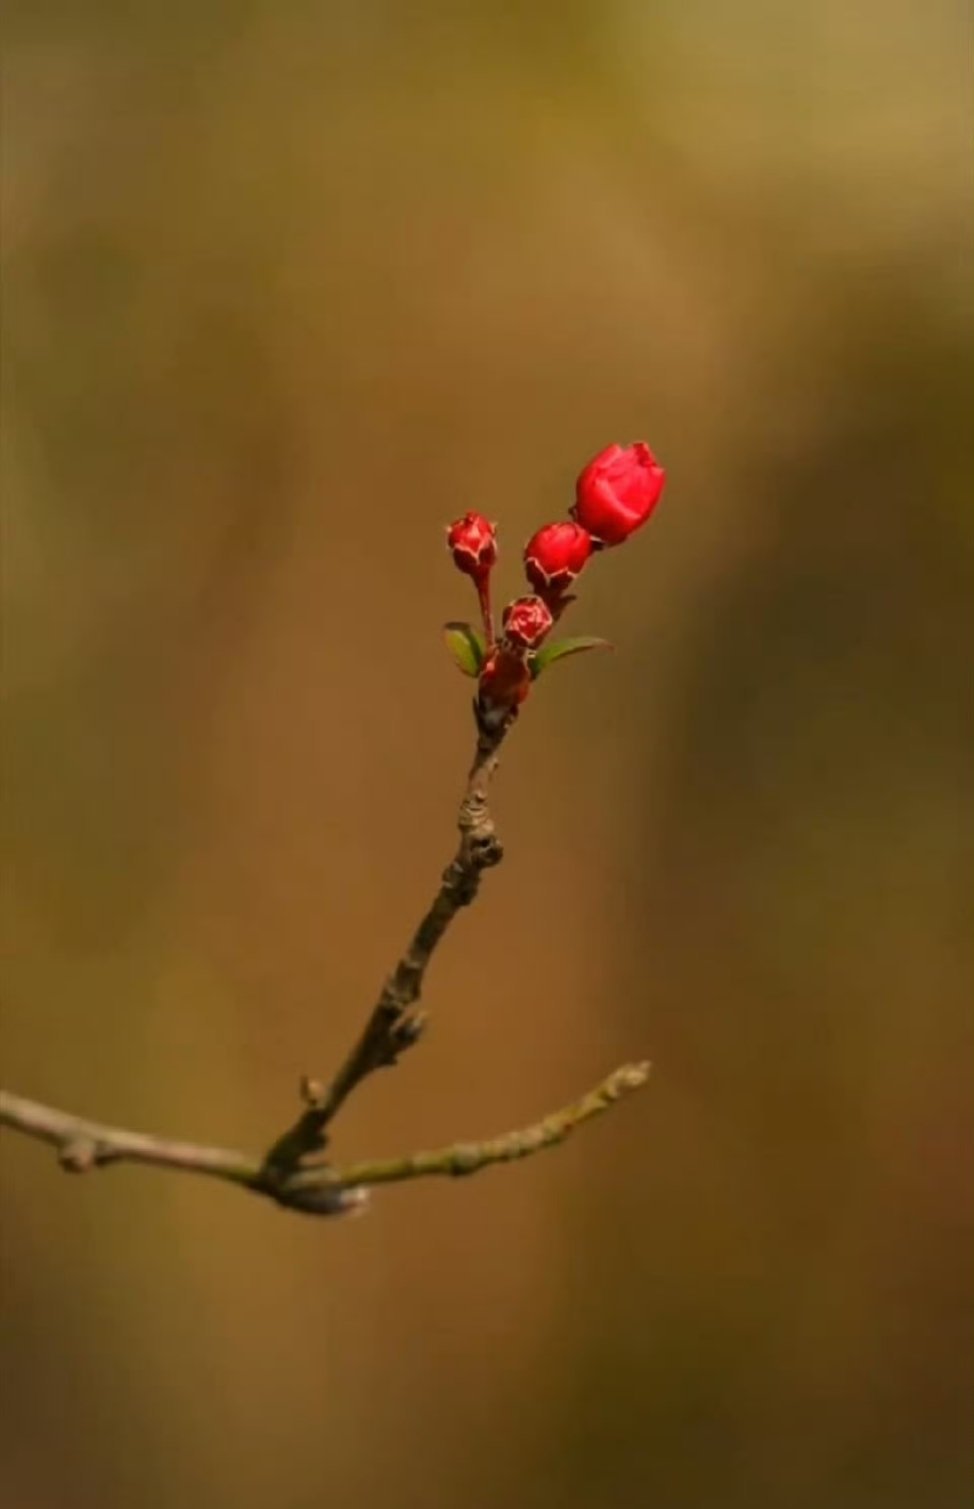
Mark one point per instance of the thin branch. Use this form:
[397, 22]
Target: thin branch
[316, 1190]
[82, 1145]
[396, 1022]
[469, 1157]
[293, 1173]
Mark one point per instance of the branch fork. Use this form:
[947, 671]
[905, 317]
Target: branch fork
[294, 1172]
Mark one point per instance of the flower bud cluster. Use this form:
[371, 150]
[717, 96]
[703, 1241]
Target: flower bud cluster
[614, 496]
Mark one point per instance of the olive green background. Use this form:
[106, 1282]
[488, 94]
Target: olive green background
[287, 287]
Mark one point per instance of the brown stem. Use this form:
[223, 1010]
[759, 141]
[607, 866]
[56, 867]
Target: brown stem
[292, 1172]
[395, 1022]
[320, 1190]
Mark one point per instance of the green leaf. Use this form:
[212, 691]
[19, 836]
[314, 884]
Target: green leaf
[466, 646]
[559, 648]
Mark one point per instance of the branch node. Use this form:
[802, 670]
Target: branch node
[312, 1092]
[465, 1158]
[407, 1031]
[79, 1154]
[323, 1197]
[486, 850]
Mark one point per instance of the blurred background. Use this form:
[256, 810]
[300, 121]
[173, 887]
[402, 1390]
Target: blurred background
[287, 287]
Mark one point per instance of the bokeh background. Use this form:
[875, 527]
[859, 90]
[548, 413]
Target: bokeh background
[286, 288]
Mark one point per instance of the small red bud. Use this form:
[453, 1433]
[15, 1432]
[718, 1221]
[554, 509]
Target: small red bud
[526, 621]
[617, 492]
[472, 541]
[554, 557]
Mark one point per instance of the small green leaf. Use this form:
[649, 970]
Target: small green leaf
[466, 646]
[562, 647]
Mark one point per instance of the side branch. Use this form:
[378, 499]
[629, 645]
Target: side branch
[469, 1157]
[82, 1145]
[316, 1190]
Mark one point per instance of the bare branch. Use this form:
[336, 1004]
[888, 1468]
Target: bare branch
[293, 1173]
[395, 1023]
[469, 1157]
[316, 1189]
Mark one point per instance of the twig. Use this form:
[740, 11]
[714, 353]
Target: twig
[316, 1190]
[395, 1023]
[469, 1157]
[293, 1173]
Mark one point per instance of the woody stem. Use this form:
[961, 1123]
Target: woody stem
[396, 1022]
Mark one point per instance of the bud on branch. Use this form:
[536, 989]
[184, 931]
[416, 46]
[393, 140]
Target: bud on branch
[553, 558]
[618, 491]
[614, 496]
[472, 542]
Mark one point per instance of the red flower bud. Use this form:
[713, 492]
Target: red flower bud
[472, 542]
[554, 557]
[526, 622]
[618, 491]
